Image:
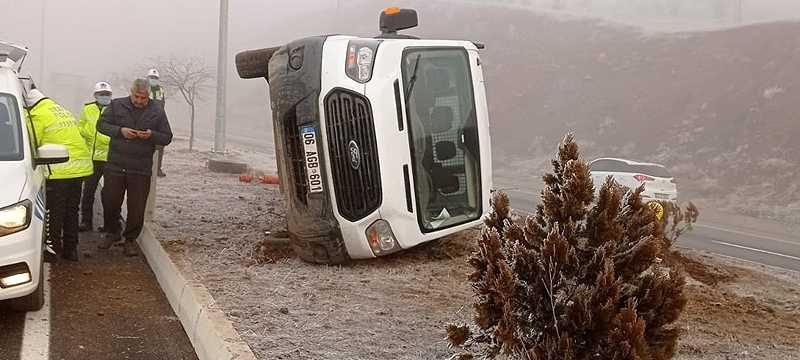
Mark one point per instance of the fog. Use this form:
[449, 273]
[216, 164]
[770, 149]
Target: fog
[89, 40]
[633, 78]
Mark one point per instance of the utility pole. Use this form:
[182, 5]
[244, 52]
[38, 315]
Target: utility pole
[41, 43]
[338, 13]
[222, 76]
[739, 11]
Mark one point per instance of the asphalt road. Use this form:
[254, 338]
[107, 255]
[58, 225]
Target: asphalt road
[725, 239]
[107, 306]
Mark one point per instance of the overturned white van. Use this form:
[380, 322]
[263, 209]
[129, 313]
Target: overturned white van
[382, 143]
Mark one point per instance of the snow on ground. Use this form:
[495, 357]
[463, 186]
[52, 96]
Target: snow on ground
[397, 307]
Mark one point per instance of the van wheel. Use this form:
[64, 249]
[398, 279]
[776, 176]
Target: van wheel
[32, 302]
[329, 251]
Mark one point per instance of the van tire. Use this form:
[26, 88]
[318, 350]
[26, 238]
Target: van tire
[32, 302]
[326, 251]
[252, 64]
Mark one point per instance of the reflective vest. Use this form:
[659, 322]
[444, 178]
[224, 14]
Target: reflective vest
[157, 93]
[55, 125]
[97, 142]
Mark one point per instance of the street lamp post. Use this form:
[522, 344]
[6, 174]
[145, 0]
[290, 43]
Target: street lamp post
[41, 42]
[222, 74]
[739, 11]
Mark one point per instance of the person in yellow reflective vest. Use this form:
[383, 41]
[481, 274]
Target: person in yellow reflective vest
[53, 124]
[158, 94]
[98, 144]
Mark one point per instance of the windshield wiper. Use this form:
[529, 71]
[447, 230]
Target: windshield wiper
[413, 79]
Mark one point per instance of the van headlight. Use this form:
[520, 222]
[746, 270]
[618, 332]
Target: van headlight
[381, 238]
[361, 59]
[15, 218]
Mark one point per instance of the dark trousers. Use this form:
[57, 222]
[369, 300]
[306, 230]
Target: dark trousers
[114, 188]
[89, 190]
[63, 198]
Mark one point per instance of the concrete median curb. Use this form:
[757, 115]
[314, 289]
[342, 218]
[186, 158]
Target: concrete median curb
[207, 327]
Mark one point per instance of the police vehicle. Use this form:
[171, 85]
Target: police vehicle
[23, 170]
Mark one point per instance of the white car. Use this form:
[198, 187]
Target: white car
[23, 169]
[658, 183]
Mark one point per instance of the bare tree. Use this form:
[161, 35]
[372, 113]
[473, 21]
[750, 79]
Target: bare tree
[190, 77]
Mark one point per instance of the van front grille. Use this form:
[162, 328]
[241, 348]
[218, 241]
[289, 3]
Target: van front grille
[354, 154]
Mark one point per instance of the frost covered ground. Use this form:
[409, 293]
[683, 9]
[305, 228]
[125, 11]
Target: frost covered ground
[397, 308]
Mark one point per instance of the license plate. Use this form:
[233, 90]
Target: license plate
[309, 137]
[662, 196]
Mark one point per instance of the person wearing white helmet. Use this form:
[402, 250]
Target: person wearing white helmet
[157, 93]
[98, 145]
[53, 124]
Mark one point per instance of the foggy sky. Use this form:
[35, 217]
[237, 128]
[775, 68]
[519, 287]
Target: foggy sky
[89, 40]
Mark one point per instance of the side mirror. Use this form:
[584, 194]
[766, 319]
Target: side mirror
[52, 154]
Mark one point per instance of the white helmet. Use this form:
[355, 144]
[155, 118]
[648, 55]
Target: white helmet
[153, 73]
[33, 97]
[102, 87]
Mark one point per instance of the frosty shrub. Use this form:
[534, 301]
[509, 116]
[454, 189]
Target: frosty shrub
[582, 279]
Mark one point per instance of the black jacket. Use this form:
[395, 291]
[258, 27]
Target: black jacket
[133, 156]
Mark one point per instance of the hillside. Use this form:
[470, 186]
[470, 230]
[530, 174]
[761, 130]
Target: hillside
[717, 107]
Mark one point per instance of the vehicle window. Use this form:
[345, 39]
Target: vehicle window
[609, 166]
[443, 131]
[652, 170]
[11, 148]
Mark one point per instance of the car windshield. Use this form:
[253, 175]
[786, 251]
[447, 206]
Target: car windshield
[622, 167]
[652, 170]
[443, 132]
[10, 129]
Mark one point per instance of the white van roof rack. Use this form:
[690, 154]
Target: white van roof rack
[12, 55]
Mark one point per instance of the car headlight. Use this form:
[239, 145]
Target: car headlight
[15, 218]
[361, 59]
[381, 238]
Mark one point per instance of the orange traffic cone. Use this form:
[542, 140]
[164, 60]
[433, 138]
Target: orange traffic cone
[270, 180]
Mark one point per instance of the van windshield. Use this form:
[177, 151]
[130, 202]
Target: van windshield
[10, 129]
[443, 132]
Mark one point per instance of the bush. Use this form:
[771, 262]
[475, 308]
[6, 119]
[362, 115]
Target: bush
[582, 279]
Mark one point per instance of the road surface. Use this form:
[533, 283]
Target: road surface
[105, 307]
[780, 250]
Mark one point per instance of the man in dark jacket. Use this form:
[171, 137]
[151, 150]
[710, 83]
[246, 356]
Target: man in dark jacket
[136, 126]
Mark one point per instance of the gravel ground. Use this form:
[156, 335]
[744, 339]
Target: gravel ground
[219, 230]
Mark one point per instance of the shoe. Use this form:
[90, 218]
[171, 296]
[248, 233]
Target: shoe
[87, 226]
[161, 173]
[108, 241]
[130, 249]
[70, 253]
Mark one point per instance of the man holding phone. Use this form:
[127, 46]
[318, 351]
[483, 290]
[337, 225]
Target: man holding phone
[136, 125]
